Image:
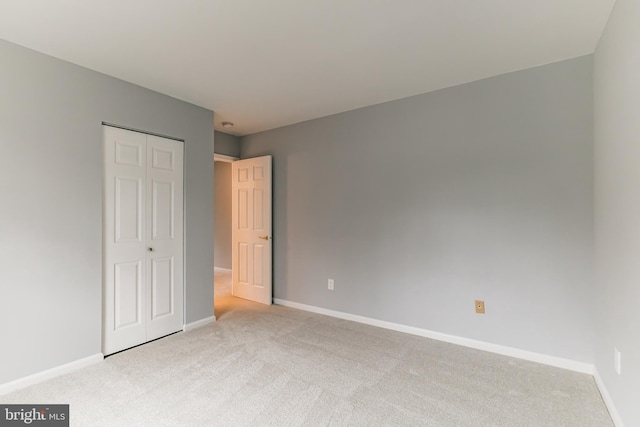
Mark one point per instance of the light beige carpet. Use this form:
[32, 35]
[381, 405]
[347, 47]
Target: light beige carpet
[276, 366]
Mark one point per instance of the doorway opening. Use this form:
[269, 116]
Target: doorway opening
[222, 287]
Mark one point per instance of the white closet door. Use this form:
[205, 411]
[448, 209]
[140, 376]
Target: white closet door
[164, 236]
[143, 229]
[125, 249]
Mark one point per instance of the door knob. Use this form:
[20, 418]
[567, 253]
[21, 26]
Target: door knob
[263, 237]
[150, 249]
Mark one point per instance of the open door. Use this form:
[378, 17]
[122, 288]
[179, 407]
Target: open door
[251, 233]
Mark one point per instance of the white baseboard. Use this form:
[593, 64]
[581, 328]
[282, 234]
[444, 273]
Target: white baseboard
[558, 362]
[222, 270]
[198, 323]
[608, 401]
[50, 373]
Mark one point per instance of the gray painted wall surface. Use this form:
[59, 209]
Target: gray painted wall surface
[226, 144]
[418, 207]
[617, 206]
[51, 207]
[222, 192]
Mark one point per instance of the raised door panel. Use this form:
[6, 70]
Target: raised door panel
[258, 265]
[162, 287]
[128, 153]
[128, 288]
[242, 269]
[163, 158]
[258, 209]
[243, 209]
[128, 209]
[163, 207]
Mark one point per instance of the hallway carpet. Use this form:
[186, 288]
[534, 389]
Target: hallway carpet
[276, 366]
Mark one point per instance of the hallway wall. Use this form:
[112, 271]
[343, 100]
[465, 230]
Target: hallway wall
[222, 212]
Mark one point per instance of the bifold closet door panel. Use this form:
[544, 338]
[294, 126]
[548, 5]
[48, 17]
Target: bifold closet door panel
[164, 236]
[125, 250]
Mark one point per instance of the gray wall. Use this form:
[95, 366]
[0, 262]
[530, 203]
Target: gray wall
[226, 144]
[420, 206]
[617, 206]
[51, 207]
[222, 192]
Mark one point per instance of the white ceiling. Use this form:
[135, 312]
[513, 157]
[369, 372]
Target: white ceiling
[267, 63]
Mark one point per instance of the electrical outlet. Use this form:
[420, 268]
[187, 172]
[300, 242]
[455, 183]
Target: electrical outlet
[330, 284]
[617, 360]
[479, 307]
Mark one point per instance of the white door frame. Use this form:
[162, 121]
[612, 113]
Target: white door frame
[224, 158]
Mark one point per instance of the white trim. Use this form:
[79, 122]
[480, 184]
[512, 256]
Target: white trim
[50, 373]
[198, 323]
[558, 362]
[222, 270]
[608, 401]
[224, 158]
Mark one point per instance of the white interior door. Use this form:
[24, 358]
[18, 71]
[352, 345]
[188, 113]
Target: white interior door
[251, 229]
[143, 238]
[125, 251]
